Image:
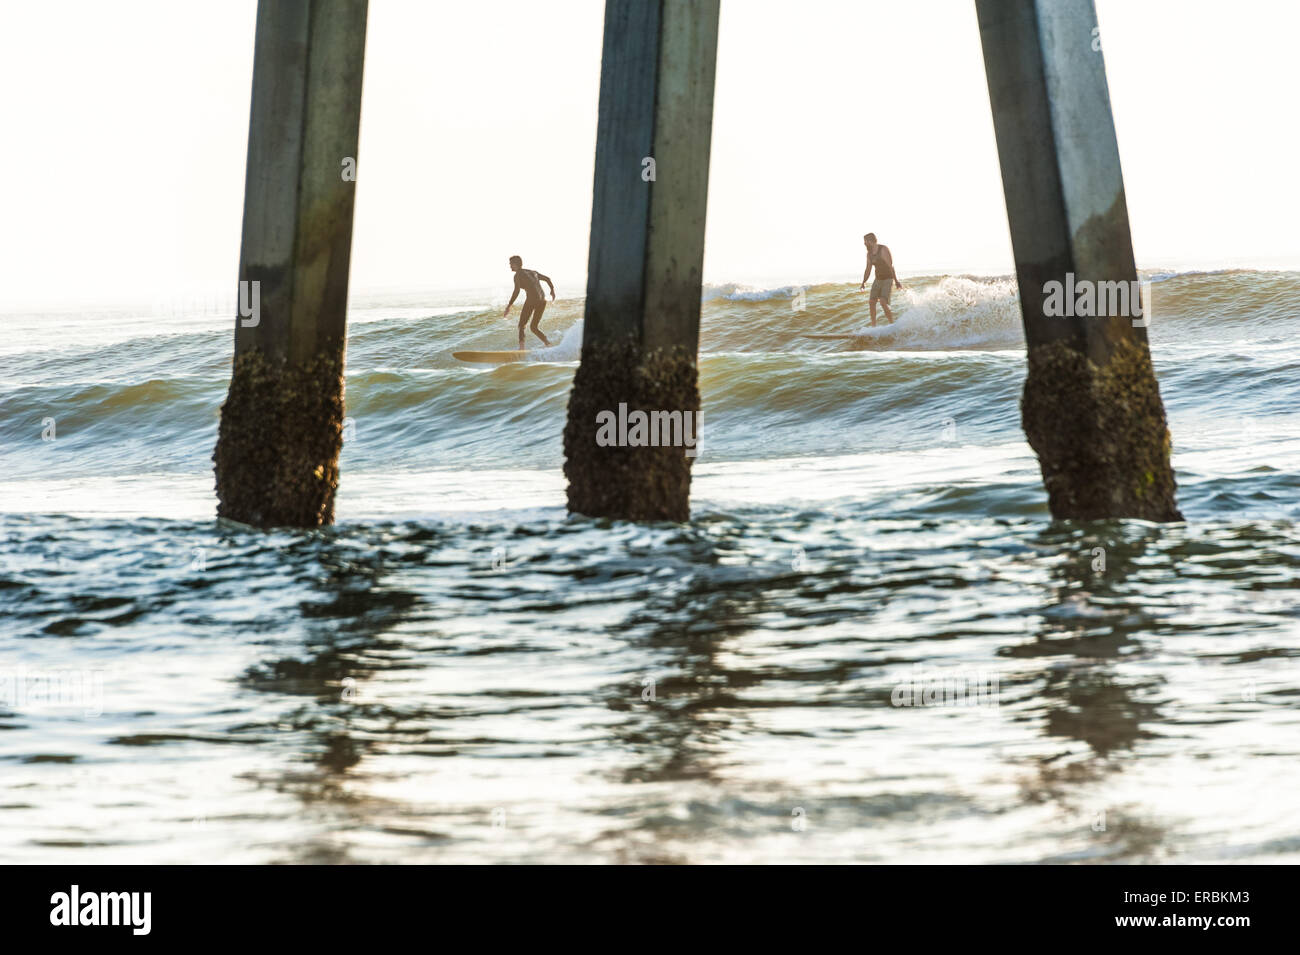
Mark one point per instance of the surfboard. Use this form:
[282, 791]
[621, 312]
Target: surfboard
[491, 357]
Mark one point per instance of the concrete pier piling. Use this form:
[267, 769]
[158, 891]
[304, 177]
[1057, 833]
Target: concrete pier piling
[1091, 408]
[641, 329]
[281, 426]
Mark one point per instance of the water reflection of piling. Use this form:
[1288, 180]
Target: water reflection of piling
[1092, 409]
[281, 426]
[641, 330]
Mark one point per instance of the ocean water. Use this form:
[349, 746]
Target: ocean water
[870, 643]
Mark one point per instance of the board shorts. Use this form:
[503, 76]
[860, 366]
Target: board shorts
[533, 308]
[881, 290]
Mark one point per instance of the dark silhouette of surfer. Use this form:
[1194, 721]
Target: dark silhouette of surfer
[879, 257]
[529, 282]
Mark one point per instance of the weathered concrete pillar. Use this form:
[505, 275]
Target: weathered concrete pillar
[281, 426]
[1091, 408]
[642, 323]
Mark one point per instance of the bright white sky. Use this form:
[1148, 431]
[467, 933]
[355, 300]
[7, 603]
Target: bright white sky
[126, 125]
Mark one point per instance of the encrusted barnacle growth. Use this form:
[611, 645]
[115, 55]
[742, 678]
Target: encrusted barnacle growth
[1100, 433]
[277, 455]
[631, 483]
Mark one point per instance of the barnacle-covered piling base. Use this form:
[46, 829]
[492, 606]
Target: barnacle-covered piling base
[1100, 433]
[621, 482]
[278, 445]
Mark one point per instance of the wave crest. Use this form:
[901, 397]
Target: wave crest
[955, 312]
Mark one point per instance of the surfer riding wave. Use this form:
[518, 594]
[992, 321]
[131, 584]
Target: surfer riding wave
[529, 282]
[880, 258]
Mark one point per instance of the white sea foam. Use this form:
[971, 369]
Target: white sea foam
[568, 348]
[734, 292]
[956, 312]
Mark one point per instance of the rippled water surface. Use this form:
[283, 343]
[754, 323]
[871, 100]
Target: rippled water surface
[870, 643]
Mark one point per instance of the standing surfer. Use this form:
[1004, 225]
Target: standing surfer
[878, 256]
[529, 281]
